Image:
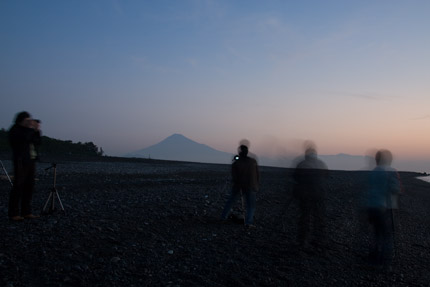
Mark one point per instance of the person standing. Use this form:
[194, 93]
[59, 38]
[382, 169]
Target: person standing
[309, 176]
[24, 138]
[384, 186]
[246, 180]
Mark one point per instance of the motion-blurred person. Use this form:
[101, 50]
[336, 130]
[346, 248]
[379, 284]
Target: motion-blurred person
[381, 199]
[309, 191]
[247, 143]
[246, 179]
[24, 138]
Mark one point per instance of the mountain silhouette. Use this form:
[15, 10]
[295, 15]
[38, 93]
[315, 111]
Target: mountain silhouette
[180, 148]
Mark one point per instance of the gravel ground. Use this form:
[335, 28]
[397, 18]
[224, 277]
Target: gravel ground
[157, 224]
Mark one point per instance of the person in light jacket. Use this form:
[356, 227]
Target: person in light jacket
[384, 186]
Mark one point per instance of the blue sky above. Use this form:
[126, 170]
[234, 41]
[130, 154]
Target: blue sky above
[350, 75]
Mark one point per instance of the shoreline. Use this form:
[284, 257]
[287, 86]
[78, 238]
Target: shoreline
[425, 178]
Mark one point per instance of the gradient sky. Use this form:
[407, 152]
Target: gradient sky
[350, 75]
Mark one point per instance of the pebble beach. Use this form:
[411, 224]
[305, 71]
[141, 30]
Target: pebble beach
[154, 223]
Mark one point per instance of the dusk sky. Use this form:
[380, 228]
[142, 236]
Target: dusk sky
[349, 75]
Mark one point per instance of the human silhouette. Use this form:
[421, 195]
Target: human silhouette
[309, 176]
[384, 186]
[246, 179]
[24, 138]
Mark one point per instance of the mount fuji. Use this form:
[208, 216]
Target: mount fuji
[180, 148]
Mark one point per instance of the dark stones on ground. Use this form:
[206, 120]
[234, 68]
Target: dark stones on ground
[156, 224]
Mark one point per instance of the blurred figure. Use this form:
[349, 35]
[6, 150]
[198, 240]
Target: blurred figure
[309, 176]
[246, 179]
[247, 143]
[384, 187]
[24, 138]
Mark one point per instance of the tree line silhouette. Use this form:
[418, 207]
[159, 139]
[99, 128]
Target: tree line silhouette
[51, 147]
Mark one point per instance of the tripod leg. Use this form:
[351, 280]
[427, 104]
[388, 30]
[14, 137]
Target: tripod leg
[59, 200]
[52, 201]
[5, 172]
[46, 204]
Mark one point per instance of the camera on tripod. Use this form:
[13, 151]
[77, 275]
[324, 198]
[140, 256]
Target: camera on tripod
[49, 206]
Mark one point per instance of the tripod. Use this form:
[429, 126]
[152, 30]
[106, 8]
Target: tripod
[6, 173]
[49, 206]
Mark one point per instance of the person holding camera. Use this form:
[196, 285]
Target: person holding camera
[246, 180]
[24, 138]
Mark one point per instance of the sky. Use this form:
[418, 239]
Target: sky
[350, 75]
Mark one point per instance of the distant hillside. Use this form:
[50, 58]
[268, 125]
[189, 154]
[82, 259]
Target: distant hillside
[54, 148]
[178, 147]
[348, 162]
[334, 162]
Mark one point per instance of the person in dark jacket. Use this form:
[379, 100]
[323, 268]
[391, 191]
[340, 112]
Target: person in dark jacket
[246, 180]
[309, 177]
[24, 138]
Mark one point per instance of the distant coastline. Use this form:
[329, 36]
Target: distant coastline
[425, 178]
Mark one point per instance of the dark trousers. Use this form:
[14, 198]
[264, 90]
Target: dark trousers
[311, 212]
[250, 198]
[382, 250]
[22, 190]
